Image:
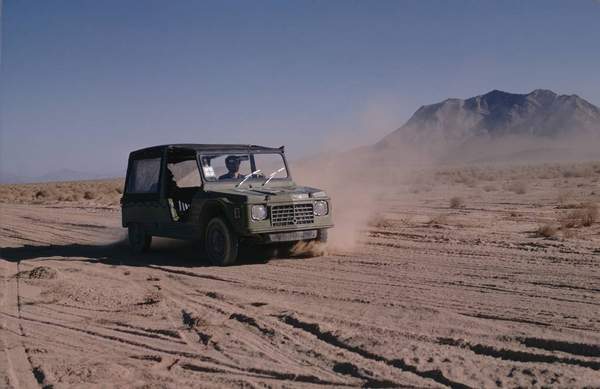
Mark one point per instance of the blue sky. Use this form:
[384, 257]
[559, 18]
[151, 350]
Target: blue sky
[84, 82]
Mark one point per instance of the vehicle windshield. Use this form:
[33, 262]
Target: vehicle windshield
[234, 167]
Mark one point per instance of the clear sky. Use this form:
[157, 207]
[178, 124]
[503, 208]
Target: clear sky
[83, 82]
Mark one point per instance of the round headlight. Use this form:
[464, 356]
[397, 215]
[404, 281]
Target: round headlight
[259, 212]
[321, 208]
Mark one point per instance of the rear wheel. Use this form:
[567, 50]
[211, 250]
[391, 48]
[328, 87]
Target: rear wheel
[220, 242]
[139, 239]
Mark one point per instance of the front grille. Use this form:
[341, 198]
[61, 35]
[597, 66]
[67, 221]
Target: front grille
[292, 214]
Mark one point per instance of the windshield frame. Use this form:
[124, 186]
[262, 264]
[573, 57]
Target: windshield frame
[250, 154]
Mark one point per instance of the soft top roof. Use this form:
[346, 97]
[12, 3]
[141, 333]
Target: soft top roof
[158, 150]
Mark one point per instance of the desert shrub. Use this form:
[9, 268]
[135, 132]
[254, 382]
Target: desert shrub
[585, 216]
[41, 194]
[490, 188]
[89, 195]
[457, 202]
[589, 214]
[72, 197]
[420, 189]
[564, 197]
[547, 231]
[577, 171]
[438, 220]
[379, 221]
[471, 183]
[518, 187]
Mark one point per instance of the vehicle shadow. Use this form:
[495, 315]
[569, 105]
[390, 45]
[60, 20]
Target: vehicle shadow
[162, 253]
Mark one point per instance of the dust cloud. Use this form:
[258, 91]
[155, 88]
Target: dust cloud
[357, 180]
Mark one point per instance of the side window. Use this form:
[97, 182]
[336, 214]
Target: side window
[185, 173]
[143, 177]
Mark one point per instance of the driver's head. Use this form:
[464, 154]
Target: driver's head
[233, 164]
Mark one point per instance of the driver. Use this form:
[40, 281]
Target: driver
[232, 163]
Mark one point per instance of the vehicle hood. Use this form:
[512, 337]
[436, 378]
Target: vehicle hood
[268, 194]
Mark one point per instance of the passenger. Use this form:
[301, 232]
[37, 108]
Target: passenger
[233, 166]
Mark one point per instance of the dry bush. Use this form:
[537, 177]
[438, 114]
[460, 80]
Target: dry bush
[577, 171]
[89, 195]
[420, 189]
[438, 220]
[518, 187]
[379, 221]
[42, 194]
[564, 197]
[547, 231]
[490, 188]
[471, 183]
[585, 216]
[589, 214]
[457, 202]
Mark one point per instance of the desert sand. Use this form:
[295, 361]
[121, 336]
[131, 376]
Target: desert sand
[460, 278]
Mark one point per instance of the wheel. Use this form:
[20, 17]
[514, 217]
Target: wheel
[221, 243]
[139, 240]
[322, 236]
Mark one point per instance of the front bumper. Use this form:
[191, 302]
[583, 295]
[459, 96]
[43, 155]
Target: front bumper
[293, 236]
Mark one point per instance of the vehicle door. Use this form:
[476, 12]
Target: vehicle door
[181, 185]
[142, 199]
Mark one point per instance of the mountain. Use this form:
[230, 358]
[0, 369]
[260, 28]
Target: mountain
[497, 114]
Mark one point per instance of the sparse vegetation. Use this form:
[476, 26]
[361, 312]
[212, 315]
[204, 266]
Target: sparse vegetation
[457, 202]
[379, 221]
[518, 187]
[103, 192]
[577, 171]
[438, 220]
[585, 216]
[547, 230]
[563, 198]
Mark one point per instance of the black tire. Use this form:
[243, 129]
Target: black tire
[322, 236]
[139, 239]
[220, 243]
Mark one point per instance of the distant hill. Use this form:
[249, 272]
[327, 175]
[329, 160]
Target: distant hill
[538, 120]
[58, 175]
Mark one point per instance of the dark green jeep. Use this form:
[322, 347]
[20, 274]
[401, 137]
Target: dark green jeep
[221, 195]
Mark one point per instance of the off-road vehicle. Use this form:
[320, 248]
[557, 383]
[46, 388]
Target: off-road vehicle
[222, 196]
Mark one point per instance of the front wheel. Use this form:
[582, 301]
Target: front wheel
[322, 236]
[139, 240]
[221, 243]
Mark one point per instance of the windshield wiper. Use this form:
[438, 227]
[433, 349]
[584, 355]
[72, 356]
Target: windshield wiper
[273, 175]
[247, 176]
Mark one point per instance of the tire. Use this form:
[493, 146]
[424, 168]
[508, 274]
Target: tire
[220, 243]
[139, 240]
[322, 236]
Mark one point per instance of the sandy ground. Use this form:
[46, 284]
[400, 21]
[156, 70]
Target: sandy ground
[433, 296]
